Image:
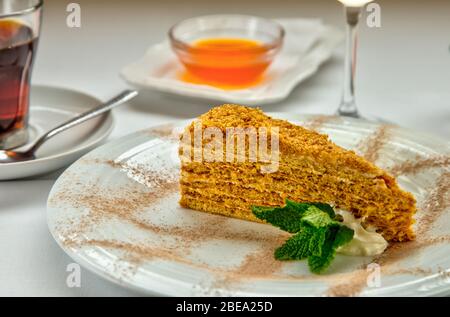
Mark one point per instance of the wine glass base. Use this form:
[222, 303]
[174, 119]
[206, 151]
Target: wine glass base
[370, 118]
[375, 119]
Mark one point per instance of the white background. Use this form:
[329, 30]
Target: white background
[403, 76]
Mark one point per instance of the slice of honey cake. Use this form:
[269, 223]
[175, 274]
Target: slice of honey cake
[233, 157]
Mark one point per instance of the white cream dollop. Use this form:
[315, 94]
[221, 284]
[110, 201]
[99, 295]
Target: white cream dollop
[365, 242]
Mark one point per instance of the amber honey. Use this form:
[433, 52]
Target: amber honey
[226, 62]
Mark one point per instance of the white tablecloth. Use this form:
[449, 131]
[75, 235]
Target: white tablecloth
[403, 76]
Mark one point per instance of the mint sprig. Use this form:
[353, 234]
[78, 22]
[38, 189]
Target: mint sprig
[317, 233]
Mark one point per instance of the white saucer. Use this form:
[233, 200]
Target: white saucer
[308, 43]
[51, 106]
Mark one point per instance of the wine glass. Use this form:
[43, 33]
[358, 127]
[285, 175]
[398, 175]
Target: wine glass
[352, 9]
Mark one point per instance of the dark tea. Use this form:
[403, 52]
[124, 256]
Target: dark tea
[17, 46]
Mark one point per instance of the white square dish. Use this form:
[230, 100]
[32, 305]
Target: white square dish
[307, 45]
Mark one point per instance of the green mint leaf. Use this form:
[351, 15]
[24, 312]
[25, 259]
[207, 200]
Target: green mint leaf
[296, 247]
[318, 218]
[304, 206]
[337, 237]
[317, 241]
[308, 241]
[300, 207]
[287, 218]
[317, 232]
[318, 264]
[343, 236]
[326, 208]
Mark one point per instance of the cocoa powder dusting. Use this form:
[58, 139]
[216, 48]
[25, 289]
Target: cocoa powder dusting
[398, 251]
[137, 253]
[258, 264]
[370, 147]
[417, 271]
[262, 262]
[318, 121]
[128, 203]
[348, 286]
[437, 202]
[352, 284]
[123, 202]
[419, 164]
[143, 175]
[167, 132]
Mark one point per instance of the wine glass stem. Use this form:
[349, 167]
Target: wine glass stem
[348, 105]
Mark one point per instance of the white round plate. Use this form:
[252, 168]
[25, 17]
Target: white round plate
[308, 43]
[51, 106]
[116, 212]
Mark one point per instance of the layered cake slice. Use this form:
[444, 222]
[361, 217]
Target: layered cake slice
[234, 157]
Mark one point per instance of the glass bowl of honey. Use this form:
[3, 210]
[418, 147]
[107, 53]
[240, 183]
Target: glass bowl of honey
[226, 51]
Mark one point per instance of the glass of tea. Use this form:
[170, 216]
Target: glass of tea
[19, 32]
[226, 51]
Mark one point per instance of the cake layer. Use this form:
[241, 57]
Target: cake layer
[359, 193]
[216, 207]
[244, 198]
[286, 164]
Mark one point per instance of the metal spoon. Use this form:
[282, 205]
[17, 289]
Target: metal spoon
[7, 156]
